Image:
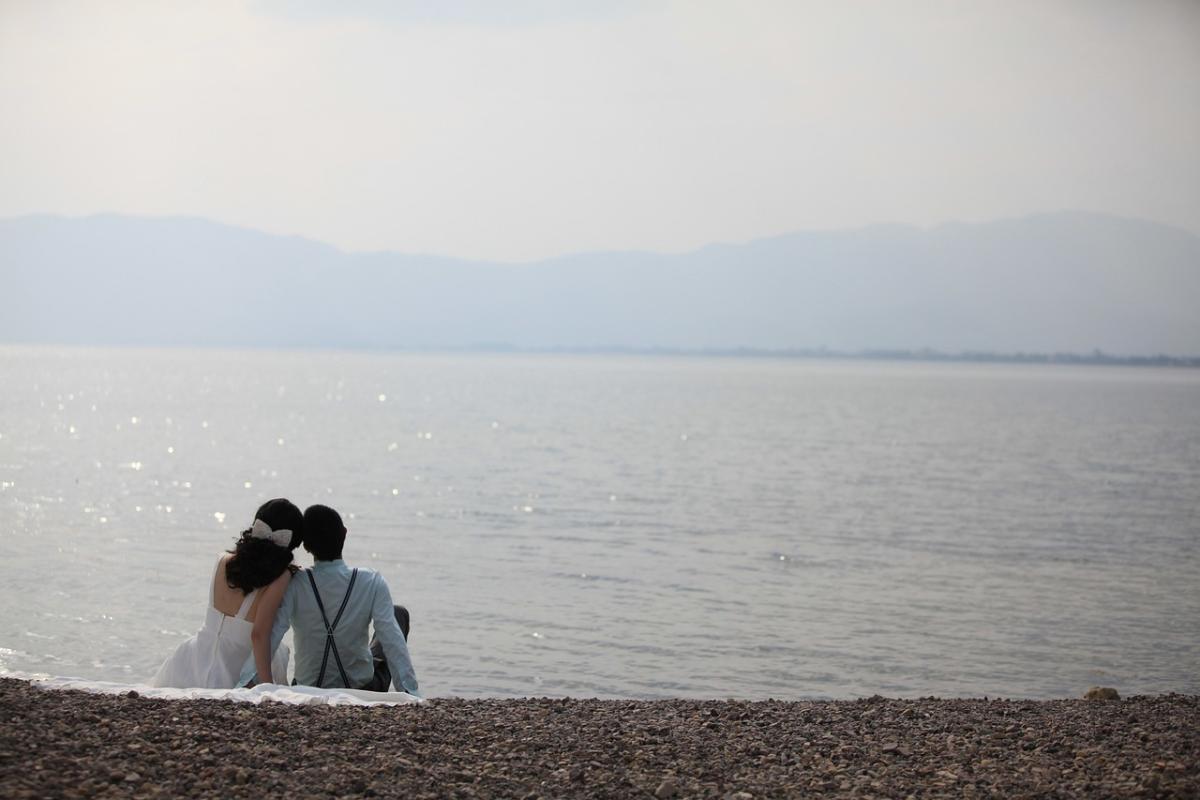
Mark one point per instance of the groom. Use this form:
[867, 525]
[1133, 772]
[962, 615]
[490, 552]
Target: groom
[328, 609]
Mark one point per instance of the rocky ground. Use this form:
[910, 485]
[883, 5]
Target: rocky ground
[70, 744]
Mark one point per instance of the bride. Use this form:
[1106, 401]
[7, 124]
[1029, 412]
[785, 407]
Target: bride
[244, 594]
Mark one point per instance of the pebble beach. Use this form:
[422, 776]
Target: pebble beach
[74, 744]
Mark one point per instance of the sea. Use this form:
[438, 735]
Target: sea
[618, 526]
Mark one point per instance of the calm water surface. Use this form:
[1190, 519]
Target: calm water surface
[626, 527]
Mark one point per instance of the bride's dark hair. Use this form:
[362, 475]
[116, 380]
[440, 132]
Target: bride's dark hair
[256, 562]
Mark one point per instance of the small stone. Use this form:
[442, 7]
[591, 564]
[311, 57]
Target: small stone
[1102, 693]
[739, 796]
[666, 789]
[132, 693]
[890, 747]
[132, 777]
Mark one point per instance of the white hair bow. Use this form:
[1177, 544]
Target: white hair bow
[261, 530]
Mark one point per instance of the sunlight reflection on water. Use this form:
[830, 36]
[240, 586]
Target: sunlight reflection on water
[627, 527]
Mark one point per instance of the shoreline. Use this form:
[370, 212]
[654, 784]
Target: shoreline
[74, 744]
[1096, 358]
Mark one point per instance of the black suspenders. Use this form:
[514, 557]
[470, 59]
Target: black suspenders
[330, 644]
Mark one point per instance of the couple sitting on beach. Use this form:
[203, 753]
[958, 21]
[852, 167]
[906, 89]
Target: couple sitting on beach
[257, 594]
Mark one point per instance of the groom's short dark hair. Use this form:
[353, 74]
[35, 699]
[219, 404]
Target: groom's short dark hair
[324, 533]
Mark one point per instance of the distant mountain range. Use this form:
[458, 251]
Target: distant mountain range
[1064, 282]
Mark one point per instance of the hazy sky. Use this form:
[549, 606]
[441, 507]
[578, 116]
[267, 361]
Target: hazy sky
[531, 128]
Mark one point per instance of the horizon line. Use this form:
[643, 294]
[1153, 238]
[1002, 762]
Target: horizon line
[1096, 357]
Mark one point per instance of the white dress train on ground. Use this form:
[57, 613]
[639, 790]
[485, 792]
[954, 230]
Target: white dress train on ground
[213, 658]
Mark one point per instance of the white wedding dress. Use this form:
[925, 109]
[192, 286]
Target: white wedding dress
[213, 658]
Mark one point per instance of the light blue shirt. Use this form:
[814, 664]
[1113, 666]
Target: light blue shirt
[370, 602]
